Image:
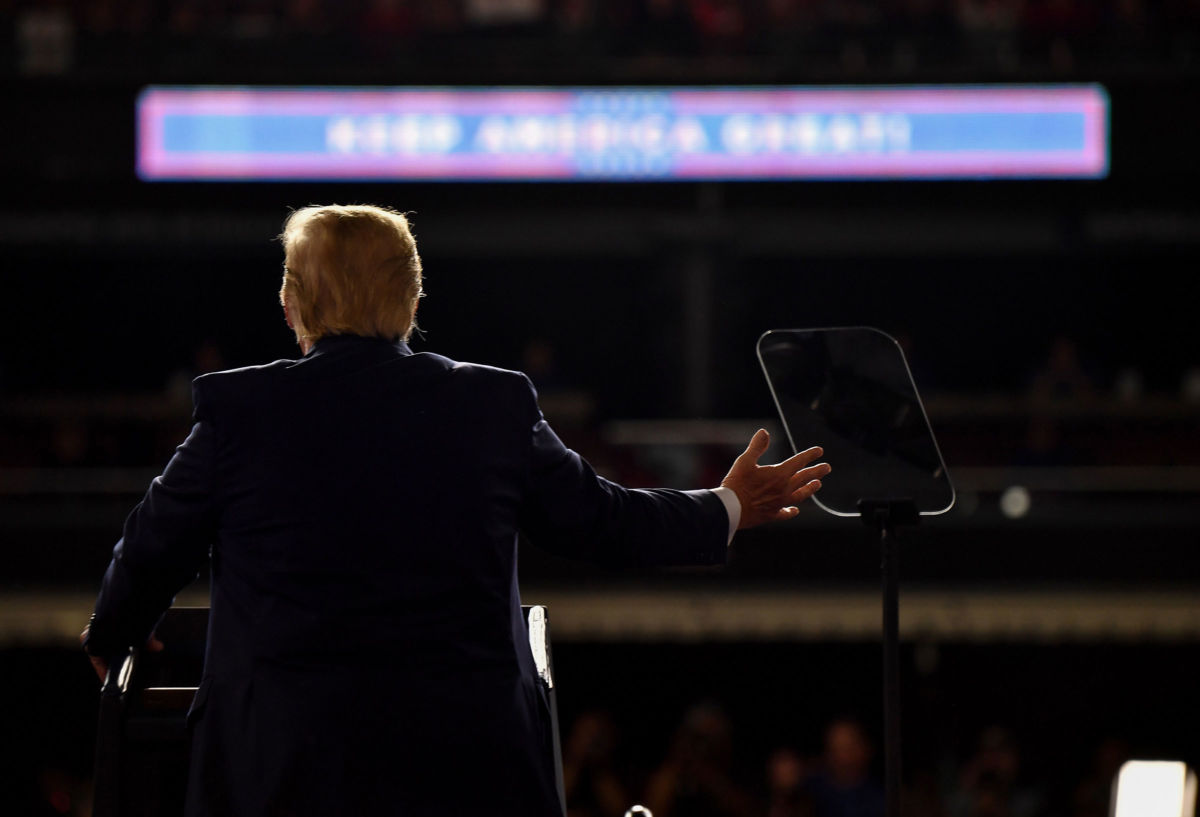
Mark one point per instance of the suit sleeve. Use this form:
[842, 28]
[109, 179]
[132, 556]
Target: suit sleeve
[570, 510]
[165, 541]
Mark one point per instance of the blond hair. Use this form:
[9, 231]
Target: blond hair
[350, 270]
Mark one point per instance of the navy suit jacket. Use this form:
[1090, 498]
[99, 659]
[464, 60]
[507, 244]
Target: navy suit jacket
[366, 649]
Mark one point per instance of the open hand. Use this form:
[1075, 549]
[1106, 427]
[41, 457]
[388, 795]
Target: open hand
[770, 493]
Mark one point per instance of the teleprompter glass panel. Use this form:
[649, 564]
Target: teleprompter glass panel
[849, 390]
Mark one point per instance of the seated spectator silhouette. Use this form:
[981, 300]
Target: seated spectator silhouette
[786, 795]
[1062, 376]
[591, 782]
[843, 786]
[990, 783]
[696, 779]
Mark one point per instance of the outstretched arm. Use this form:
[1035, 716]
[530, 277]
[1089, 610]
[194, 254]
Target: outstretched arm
[165, 543]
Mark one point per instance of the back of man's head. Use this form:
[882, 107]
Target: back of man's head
[350, 270]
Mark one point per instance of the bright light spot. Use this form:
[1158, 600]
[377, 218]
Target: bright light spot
[1015, 502]
[1161, 788]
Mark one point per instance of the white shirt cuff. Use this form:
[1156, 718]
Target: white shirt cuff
[733, 507]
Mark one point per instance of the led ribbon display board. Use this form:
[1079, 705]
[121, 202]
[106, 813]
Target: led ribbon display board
[622, 134]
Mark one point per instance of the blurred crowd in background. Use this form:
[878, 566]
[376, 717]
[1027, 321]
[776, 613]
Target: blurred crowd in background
[1061, 417]
[267, 37]
[707, 768]
[705, 774]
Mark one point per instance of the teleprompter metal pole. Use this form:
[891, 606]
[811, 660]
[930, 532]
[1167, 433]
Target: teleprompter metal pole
[891, 670]
[885, 515]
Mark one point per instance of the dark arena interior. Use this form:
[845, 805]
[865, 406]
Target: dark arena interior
[1048, 621]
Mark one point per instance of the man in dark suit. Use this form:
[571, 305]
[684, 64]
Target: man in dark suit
[360, 506]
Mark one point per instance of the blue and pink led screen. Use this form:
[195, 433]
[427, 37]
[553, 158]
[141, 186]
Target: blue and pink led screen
[622, 134]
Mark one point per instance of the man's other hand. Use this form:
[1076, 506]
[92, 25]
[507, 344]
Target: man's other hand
[770, 493]
[100, 665]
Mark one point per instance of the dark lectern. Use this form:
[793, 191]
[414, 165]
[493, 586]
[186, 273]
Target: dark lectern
[142, 740]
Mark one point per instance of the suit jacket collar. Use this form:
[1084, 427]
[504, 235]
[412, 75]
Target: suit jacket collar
[342, 344]
[349, 356]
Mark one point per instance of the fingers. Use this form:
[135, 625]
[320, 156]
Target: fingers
[775, 513]
[758, 446]
[761, 441]
[773, 492]
[100, 666]
[804, 483]
[802, 458]
[806, 491]
[798, 496]
[806, 475]
[153, 644]
[784, 514]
